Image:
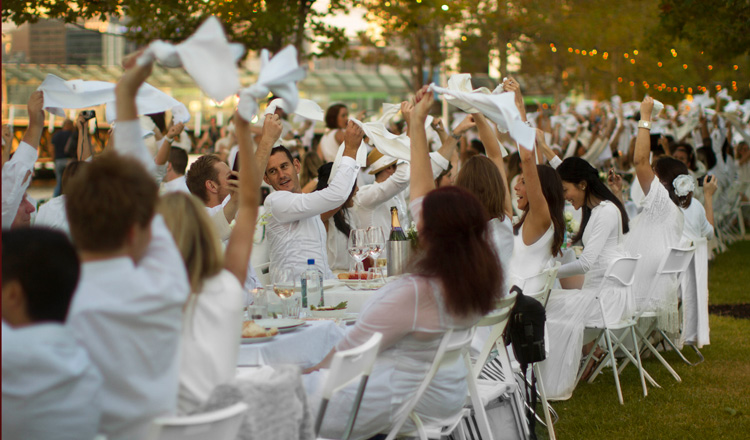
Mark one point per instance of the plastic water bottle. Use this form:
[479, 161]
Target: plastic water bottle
[312, 286]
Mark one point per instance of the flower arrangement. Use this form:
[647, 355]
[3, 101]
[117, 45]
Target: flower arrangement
[412, 235]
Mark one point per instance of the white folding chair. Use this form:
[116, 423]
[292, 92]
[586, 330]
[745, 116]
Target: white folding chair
[215, 425]
[346, 367]
[673, 265]
[484, 391]
[451, 348]
[620, 271]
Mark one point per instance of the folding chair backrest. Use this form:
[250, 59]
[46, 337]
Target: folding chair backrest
[549, 277]
[498, 319]
[622, 270]
[451, 348]
[676, 261]
[216, 425]
[349, 365]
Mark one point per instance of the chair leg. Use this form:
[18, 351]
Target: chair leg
[638, 359]
[674, 347]
[476, 401]
[355, 410]
[700, 355]
[655, 352]
[588, 357]
[545, 404]
[611, 356]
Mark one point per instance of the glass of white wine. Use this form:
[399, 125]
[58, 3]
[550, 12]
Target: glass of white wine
[358, 248]
[283, 286]
[376, 242]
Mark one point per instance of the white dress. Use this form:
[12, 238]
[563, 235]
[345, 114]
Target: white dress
[211, 330]
[501, 233]
[696, 224]
[329, 146]
[657, 228]
[528, 261]
[412, 316]
[337, 245]
[569, 311]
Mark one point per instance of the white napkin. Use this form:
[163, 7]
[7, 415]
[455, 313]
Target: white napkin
[461, 82]
[278, 75]
[207, 57]
[658, 107]
[306, 109]
[499, 108]
[60, 94]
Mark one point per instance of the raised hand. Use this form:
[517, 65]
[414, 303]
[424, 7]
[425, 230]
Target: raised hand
[353, 136]
[465, 125]
[407, 107]
[175, 130]
[34, 107]
[646, 107]
[710, 185]
[271, 128]
[424, 99]
[614, 181]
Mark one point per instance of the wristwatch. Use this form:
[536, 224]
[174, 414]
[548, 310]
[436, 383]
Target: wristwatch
[644, 124]
[456, 136]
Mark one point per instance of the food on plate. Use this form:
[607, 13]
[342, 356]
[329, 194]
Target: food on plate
[252, 330]
[340, 306]
[353, 276]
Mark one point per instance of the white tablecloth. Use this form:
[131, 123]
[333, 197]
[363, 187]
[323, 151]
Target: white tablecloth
[355, 298]
[305, 346]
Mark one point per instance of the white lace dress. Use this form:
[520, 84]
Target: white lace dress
[657, 228]
[570, 311]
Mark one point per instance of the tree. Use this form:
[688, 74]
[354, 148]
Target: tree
[258, 24]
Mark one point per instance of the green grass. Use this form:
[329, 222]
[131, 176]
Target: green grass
[713, 400]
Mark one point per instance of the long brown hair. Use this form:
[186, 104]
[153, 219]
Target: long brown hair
[480, 176]
[456, 251]
[553, 193]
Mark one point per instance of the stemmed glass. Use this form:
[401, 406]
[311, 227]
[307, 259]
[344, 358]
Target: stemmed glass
[283, 286]
[376, 242]
[358, 247]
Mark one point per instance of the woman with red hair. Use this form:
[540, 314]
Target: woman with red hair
[456, 278]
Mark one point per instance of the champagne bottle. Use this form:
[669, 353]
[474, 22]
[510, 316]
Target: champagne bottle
[397, 233]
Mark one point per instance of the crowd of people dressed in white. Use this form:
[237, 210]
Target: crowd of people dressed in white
[123, 300]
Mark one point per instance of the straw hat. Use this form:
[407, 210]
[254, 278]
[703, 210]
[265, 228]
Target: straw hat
[377, 161]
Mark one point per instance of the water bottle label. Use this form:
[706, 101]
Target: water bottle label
[303, 284]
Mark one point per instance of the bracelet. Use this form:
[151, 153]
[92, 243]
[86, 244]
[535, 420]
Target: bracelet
[644, 124]
[456, 136]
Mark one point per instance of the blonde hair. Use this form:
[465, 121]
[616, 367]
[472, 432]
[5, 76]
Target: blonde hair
[196, 238]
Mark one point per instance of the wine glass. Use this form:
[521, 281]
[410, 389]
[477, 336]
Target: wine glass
[376, 242]
[358, 247]
[283, 286]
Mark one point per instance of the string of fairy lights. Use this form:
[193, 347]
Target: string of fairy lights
[631, 57]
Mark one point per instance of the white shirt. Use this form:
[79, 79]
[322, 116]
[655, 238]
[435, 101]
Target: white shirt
[295, 231]
[51, 389]
[15, 181]
[329, 146]
[211, 332]
[695, 224]
[52, 215]
[175, 185]
[337, 245]
[372, 204]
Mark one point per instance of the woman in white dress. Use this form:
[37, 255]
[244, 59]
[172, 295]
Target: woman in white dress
[659, 225]
[336, 118]
[604, 221]
[452, 286]
[540, 232]
[485, 177]
[338, 223]
[212, 321]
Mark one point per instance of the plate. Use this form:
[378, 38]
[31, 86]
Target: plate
[257, 340]
[327, 313]
[363, 284]
[284, 325]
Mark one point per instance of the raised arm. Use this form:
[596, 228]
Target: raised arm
[709, 188]
[421, 168]
[240, 243]
[492, 147]
[643, 148]
[163, 154]
[128, 138]
[83, 147]
[538, 219]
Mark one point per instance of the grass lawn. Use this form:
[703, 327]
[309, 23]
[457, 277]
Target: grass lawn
[713, 400]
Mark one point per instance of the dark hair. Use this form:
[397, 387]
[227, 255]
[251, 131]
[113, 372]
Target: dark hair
[107, 199]
[456, 251]
[311, 162]
[689, 151]
[46, 265]
[480, 176]
[160, 121]
[667, 169]
[726, 150]
[514, 166]
[71, 169]
[477, 145]
[200, 171]
[443, 174]
[339, 219]
[553, 193]
[179, 159]
[709, 155]
[332, 116]
[575, 170]
[282, 149]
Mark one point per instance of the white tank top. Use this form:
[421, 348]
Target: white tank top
[528, 261]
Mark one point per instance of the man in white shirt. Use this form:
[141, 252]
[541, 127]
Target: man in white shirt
[50, 386]
[17, 172]
[174, 179]
[127, 310]
[294, 230]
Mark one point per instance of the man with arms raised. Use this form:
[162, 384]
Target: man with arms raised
[295, 231]
[127, 310]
